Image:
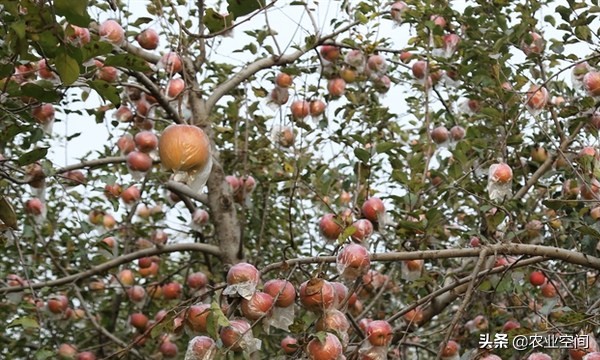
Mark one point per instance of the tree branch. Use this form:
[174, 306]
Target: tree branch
[205, 248]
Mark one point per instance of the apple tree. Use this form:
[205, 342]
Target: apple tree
[299, 179]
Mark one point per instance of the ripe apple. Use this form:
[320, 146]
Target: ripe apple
[136, 293]
[57, 304]
[373, 209]
[86, 355]
[510, 325]
[201, 347]
[197, 280]
[126, 277]
[363, 228]
[451, 349]
[196, 317]
[353, 261]
[457, 133]
[341, 291]
[537, 97]
[438, 20]
[242, 273]
[329, 52]
[112, 31]
[414, 316]
[259, 305]
[168, 349]
[379, 333]
[138, 321]
[334, 321]
[284, 80]
[106, 73]
[590, 191]
[282, 291]
[145, 262]
[139, 161]
[419, 68]
[316, 108]
[591, 83]
[536, 46]
[330, 348]
[397, 10]
[67, 352]
[501, 173]
[171, 290]
[336, 88]
[355, 58]
[146, 141]
[377, 64]
[286, 137]
[151, 270]
[44, 113]
[234, 183]
[289, 345]
[317, 295]
[348, 75]
[548, 290]
[537, 278]
[126, 144]
[34, 206]
[80, 36]
[131, 195]
[148, 39]
[330, 227]
[200, 217]
[108, 221]
[440, 135]
[231, 335]
[112, 191]
[171, 62]
[300, 109]
[175, 87]
[44, 70]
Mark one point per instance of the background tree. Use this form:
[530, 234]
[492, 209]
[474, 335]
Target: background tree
[379, 180]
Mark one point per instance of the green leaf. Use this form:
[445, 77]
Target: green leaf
[384, 147]
[127, 61]
[216, 22]
[362, 154]
[67, 67]
[96, 48]
[7, 213]
[39, 93]
[215, 319]
[243, 7]
[19, 28]
[74, 11]
[25, 322]
[32, 156]
[44, 354]
[106, 91]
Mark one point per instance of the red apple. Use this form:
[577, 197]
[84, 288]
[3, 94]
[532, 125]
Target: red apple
[171, 290]
[279, 95]
[57, 304]
[316, 108]
[334, 321]
[241, 273]
[231, 335]
[146, 141]
[139, 161]
[289, 345]
[548, 290]
[457, 133]
[43, 113]
[259, 305]
[300, 109]
[336, 88]
[317, 295]
[171, 62]
[112, 31]
[138, 321]
[196, 317]
[330, 52]
[377, 64]
[373, 209]
[201, 347]
[353, 261]
[330, 227]
[363, 228]
[86, 355]
[501, 173]
[419, 68]
[537, 97]
[537, 278]
[379, 333]
[284, 80]
[451, 349]
[126, 144]
[136, 293]
[131, 194]
[67, 351]
[175, 87]
[591, 83]
[34, 206]
[168, 349]
[282, 291]
[197, 280]
[330, 348]
[148, 39]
